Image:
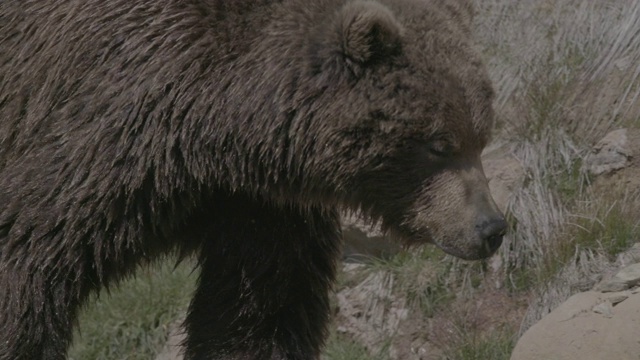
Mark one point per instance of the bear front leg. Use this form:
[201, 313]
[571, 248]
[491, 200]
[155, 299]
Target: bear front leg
[263, 289]
[40, 292]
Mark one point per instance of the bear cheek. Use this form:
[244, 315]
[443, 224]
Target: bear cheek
[440, 215]
[456, 213]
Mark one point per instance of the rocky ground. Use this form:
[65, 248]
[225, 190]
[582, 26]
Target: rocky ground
[604, 321]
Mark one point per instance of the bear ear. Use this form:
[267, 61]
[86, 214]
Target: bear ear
[367, 30]
[359, 33]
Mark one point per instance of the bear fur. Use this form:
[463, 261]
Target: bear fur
[233, 130]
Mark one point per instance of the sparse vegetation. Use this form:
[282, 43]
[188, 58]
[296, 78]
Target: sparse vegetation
[342, 348]
[612, 230]
[421, 276]
[471, 346]
[132, 321]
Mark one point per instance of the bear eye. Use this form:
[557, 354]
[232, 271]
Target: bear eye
[440, 148]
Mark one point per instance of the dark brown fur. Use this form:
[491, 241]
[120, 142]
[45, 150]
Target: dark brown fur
[234, 129]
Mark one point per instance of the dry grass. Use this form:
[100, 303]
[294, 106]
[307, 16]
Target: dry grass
[566, 73]
[132, 321]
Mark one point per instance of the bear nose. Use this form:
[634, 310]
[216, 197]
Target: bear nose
[491, 233]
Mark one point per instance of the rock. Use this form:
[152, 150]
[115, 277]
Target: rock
[369, 312]
[504, 173]
[584, 328]
[631, 256]
[623, 183]
[626, 278]
[610, 286]
[630, 275]
[604, 308]
[611, 153]
[615, 300]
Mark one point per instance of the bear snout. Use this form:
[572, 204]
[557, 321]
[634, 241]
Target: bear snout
[491, 233]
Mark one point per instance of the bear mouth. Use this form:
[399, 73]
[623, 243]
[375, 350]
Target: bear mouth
[472, 253]
[409, 237]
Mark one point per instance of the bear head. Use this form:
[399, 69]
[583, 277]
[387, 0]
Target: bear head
[406, 111]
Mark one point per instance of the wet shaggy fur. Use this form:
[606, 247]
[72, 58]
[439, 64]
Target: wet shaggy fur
[235, 130]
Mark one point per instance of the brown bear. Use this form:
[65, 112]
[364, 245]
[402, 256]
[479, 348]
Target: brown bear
[234, 130]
